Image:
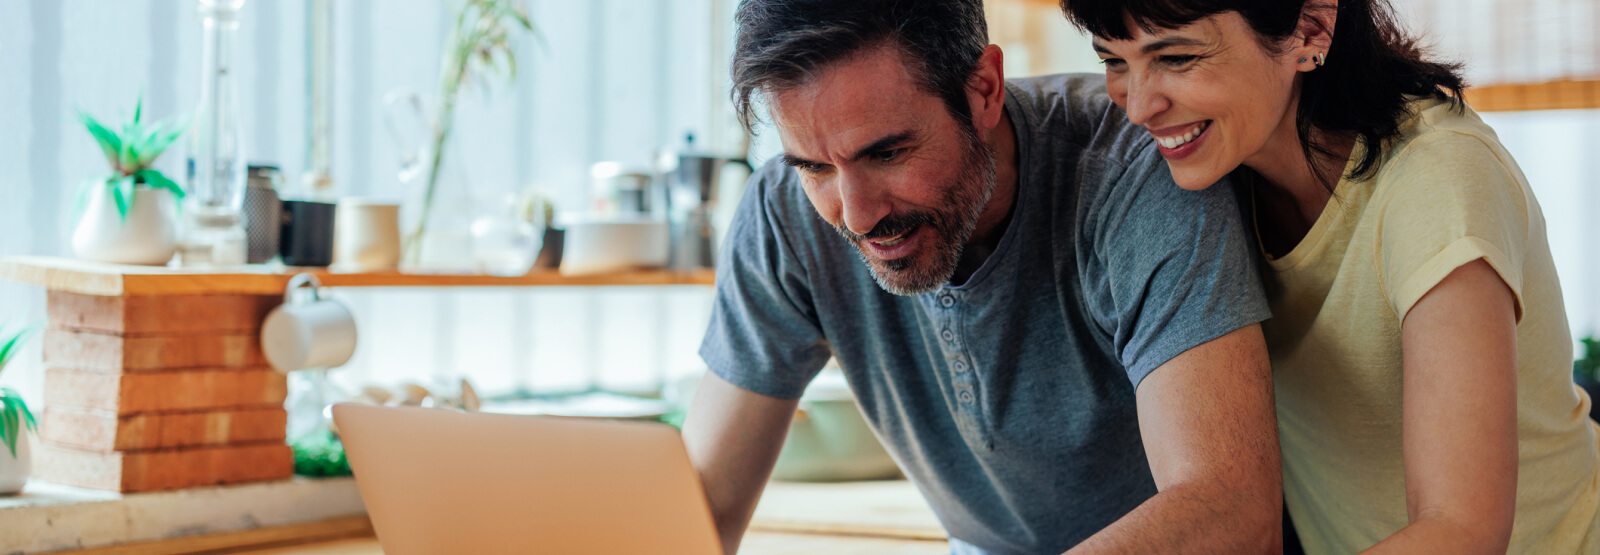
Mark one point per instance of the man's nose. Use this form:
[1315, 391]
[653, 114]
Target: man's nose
[1145, 100]
[861, 205]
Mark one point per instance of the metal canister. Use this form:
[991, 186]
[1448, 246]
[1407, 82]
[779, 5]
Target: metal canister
[262, 213]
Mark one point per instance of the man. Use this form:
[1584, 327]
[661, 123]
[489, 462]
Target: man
[1057, 344]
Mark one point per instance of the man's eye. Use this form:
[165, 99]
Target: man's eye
[1115, 64]
[887, 155]
[805, 167]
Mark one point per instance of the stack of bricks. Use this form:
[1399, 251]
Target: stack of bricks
[160, 392]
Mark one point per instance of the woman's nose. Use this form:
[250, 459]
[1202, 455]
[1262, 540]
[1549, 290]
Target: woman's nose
[1145, 100]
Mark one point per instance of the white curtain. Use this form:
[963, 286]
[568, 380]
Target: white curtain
[611, 80]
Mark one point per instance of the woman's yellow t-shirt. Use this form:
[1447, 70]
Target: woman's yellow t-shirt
[1445, 194]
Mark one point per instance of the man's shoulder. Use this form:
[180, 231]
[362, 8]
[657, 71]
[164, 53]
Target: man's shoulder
[1073, 110]
[777, 191]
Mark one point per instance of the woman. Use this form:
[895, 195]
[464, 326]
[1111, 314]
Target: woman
[1419, 341]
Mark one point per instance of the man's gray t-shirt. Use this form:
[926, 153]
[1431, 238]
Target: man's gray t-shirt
[1008, 401]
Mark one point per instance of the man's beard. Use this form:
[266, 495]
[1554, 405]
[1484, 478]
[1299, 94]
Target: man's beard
[952, 224]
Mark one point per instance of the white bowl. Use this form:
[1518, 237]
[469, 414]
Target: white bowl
[606, 244]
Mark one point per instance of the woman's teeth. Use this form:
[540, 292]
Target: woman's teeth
[1180, 140]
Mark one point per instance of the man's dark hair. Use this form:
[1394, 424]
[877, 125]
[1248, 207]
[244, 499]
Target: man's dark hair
[1373, 65]
[782, 44]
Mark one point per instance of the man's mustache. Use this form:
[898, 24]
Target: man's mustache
[891, 225]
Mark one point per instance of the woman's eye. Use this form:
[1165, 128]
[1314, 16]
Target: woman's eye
[1178, 60]
[1113, 63]
[887, 155]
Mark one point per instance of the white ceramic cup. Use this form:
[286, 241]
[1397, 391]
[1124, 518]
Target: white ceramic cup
[308, 330]
[366, 235]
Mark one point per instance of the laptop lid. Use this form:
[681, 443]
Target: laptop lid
[438, 481]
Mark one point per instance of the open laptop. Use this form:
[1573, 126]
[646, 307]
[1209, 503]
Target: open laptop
[439, 481]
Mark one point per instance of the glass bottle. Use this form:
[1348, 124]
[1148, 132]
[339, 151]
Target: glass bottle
[213, 229]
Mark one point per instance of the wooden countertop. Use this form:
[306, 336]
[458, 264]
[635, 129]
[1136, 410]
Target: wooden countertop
[755, 543]
[792, 518]
[96, 278]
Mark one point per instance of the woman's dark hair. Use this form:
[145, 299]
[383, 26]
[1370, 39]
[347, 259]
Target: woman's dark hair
[781, 44]
[1372, 65]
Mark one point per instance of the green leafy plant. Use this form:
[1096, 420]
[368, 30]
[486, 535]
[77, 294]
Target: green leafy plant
[130, 153]
[1586, 370]
[320, 454]
[13, 411]
[479, 43]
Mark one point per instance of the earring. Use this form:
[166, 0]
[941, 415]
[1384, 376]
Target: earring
[1321, 58]
[1302, 60]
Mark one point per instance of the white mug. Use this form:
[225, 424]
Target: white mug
[308, 330]
[366, 235]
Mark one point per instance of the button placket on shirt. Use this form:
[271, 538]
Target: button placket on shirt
[956, 359]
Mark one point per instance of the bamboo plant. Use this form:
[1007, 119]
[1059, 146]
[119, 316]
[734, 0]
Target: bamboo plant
[130, 153]
[13, 411]
[479, 43]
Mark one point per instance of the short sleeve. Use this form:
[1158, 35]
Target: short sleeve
[764, 335]
[1178, 269]
[1451, 199]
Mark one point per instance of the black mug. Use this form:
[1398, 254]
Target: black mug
[307, 234]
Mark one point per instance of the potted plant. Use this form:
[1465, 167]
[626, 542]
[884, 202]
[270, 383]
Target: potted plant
[130, 215]
[1586, 373]
[16, 462]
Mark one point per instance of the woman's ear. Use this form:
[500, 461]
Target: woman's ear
[1314, 36]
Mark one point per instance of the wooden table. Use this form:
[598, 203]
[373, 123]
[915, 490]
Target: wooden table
[846, 518]
[755, 543]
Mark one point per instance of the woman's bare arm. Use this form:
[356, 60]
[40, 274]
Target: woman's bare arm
[1460, 343]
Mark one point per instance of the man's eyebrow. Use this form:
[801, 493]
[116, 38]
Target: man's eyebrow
[876, 146]
[797, 162]
[883, 144]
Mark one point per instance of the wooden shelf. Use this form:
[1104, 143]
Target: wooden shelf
[94, 278]
[1520, 97]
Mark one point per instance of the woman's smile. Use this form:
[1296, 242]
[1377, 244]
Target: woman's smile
[1182, 141]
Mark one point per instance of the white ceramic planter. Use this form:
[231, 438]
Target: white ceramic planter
[148, 236]
[14, 471]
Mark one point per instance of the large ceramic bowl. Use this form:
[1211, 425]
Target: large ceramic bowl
[829, 440]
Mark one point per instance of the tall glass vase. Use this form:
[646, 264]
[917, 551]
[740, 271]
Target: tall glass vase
[213, 233]
[437, 217]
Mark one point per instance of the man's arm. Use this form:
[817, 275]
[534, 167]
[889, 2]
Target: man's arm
[733, 437]
[1460, 411]
[1211, 433]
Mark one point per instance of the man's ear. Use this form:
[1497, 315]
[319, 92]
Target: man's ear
[1315, 33]
[986, 89]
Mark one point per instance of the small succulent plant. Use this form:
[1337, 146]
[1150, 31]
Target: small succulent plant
[13, 411]
[130, 153]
